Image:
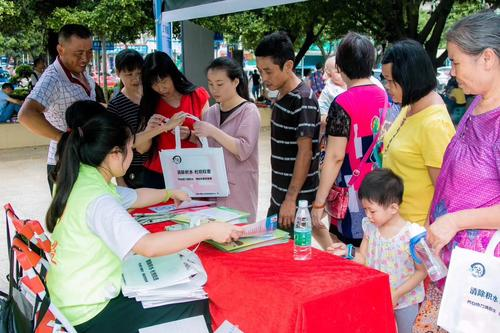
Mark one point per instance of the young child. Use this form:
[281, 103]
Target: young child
[92, 231]
[385, 244]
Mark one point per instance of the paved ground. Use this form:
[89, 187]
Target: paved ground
[23, 183]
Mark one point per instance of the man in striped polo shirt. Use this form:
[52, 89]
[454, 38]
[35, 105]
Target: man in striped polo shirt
[295, 125]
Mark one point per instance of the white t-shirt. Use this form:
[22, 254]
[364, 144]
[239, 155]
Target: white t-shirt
[56, 93]
[109, 220]
[328, 94]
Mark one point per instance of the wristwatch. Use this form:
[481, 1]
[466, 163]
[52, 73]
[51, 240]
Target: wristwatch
[351, 252]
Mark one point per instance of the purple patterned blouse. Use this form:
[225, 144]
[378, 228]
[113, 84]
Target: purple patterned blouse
[470, 176]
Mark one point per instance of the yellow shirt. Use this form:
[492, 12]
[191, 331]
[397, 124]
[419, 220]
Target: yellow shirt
[418, 143]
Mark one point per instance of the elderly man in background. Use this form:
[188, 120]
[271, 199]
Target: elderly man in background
[62, 83]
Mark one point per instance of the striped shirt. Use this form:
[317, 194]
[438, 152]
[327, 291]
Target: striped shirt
[129, 112]
[294, 116]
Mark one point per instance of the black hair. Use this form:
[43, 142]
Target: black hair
[234, 71]
[278, 46]
[157, 66]
[76, 115]
[355, 56]
[412, 69]
[78, 30]
[7, 85]
[88, 144]
[319, 65]
[383, 187]
[38, 60]
[128, 60]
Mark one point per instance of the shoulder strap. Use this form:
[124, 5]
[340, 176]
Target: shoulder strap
[368, 153]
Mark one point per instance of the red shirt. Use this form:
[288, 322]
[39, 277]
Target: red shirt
[192, 104]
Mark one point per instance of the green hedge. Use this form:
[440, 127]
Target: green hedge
[20, 93]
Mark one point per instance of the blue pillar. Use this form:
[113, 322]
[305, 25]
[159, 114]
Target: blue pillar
[163, 31]
[158, 30]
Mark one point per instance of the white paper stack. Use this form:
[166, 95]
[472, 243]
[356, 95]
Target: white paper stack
[175, 278]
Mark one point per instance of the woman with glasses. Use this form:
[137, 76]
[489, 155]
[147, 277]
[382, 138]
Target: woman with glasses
[415, 143]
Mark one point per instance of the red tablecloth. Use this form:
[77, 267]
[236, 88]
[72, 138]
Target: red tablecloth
[265, 290]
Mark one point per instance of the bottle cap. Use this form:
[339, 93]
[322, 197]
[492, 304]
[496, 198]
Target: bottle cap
[302, 203]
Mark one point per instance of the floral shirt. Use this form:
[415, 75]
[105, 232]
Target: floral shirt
[392, 256]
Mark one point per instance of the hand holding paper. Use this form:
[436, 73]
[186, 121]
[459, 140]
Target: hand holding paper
[179, 197]
[222, 232]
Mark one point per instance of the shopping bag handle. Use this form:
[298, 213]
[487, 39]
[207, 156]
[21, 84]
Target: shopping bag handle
[177, 132]
[493, 243]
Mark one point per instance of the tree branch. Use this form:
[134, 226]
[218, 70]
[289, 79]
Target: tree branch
[443, 4]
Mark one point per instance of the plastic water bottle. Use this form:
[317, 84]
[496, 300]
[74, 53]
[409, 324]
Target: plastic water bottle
[302, 233]
[422, 253]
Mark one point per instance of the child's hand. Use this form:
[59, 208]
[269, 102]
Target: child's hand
[180, 196]
[338, 249]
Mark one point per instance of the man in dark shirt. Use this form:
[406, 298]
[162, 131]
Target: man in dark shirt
[255, 84]
[295, 125]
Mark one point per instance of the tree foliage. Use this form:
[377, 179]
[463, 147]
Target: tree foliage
[321, 21]
[115, 20]
[25, 24]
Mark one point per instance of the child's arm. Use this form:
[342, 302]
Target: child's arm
[410, 284]
[150, 196]
[362, 253]
[340, 249]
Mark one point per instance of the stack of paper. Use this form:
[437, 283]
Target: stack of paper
[164, 280]
[249, 243]
[166, 212]
[222, 214]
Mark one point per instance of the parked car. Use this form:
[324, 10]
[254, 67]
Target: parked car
[443, 75]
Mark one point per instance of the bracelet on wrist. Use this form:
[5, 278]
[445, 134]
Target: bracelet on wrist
[351, 252]
[168, 195]
[318, 206]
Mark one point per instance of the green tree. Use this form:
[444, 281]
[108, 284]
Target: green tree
[320, 21]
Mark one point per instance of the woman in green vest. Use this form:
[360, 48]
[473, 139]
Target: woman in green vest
[92, 231]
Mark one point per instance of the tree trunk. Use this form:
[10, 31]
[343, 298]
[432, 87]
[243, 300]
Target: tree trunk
[432, 44]
[412, 15]
[309, 40]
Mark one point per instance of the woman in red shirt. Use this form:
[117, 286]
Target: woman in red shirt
[166, 92]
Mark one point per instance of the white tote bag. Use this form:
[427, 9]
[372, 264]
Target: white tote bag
[201, 172]
[471, 296]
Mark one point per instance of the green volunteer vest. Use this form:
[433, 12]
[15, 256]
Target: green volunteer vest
[84, 274]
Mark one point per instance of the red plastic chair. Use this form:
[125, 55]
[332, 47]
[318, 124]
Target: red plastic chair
[30, 252]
